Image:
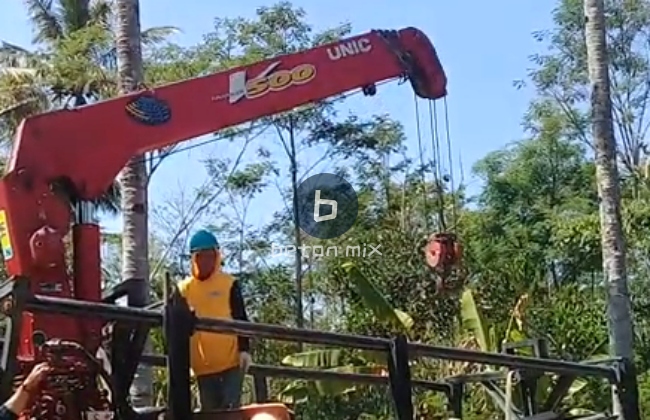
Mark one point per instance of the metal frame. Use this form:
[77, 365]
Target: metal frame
[124, 340]
[179, 323]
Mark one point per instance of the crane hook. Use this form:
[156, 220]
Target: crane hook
[443, 253]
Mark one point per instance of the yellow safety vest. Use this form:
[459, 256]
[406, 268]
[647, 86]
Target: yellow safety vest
[210, 352]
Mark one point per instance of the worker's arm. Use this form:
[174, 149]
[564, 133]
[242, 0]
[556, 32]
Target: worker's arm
[238, 311]
[17, 403]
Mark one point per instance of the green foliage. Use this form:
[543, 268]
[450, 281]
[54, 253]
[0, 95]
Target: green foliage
[72, 68]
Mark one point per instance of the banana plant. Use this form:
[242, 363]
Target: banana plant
[374, 300]
[346, 361]
[331, 360]
[480, 333]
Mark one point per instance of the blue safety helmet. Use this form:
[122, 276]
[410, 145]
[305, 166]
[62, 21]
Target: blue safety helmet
[203, 241]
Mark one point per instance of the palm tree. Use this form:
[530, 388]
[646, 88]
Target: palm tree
[612, 237]
[26, 90]
[133, 180]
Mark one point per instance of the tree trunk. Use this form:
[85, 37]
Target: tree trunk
[621, 334]
[133, 180]
[296, 226]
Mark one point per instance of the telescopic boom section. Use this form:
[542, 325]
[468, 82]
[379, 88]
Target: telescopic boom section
[72, 156]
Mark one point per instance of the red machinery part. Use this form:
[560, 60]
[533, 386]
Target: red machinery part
[73, 155]
[443, 252]
[72, 388]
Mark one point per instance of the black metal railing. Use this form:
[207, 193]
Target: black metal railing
[179, 323]
[282, 333]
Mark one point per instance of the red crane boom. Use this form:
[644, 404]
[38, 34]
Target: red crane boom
[66, 158]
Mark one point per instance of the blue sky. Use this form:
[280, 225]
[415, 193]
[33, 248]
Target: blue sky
[483, 46]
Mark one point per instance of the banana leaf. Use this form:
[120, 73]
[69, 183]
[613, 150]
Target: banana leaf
[374, 300]
[295, 392]
[317, 359]
[473, 321]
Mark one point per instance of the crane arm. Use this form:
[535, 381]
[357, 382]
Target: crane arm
[63, 160]
[89, 145]
[80, 151]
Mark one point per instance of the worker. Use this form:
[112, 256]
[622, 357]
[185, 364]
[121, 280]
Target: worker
[219, 361]
[18, 402]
